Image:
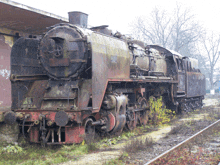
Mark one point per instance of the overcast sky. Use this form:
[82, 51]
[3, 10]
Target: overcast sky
[118, 14]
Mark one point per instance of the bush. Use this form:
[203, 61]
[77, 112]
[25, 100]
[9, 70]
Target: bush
[158, 113]
[12, 149]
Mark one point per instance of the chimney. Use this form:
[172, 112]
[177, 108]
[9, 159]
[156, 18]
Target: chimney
[78, 18]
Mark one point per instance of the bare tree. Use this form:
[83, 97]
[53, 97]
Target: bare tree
[186, 30]
[210, 53]
[176, 31]
[155, 29]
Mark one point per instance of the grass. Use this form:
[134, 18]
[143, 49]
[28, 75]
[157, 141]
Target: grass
[112, 140]
[35, 154]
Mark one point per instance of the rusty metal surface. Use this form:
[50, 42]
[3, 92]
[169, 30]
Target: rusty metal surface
[34, 135]
[160, 63]
[18, 91]
[60, 89]
[85, 93]
[143, 80]
[140, 58]
[53, 62]
[67, 95]
[60, 95]
[102, 29]
[28, 95]
[161, 49]
[74, 134]
[24, 58]
[195, 84]
[78, 18]
[25, 65]
[61, 54]
[163, 61]
[35, 95]
[110, 59]
[181, 84]
[34, 115]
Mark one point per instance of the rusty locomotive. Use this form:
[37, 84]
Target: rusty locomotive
[76, 80]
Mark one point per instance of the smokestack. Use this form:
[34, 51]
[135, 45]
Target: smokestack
[78, 18]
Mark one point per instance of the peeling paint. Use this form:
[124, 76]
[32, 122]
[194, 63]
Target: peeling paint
[5, 85]
[5, 73]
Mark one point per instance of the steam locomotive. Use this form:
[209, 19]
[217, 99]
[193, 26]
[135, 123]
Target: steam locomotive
[75, 81]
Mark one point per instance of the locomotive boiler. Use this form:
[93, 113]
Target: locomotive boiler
[75, 81]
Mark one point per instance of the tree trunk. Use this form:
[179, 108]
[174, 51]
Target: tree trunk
[211, 78]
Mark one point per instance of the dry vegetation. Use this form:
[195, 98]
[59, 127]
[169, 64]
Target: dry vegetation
[196, 152]
[138, 144]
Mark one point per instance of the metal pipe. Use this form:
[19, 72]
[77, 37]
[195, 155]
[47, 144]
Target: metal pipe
[59, 134]
[23, 127]
[52, 135]
[48, 135]
[11, 35]
[30, 127]
[96, 123]
[100, 122]
[26, 116]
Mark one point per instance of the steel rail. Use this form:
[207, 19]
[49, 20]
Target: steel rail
[182, 143]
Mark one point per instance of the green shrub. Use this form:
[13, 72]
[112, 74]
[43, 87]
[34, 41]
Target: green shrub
[11, 149]
[159, 114]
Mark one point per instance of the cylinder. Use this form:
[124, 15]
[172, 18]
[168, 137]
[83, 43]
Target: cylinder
[78, 18]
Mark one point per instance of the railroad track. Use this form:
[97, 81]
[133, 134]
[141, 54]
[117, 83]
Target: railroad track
[190, 139]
